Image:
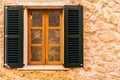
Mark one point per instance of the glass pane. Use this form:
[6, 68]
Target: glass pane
[36, 36]
[36, 18]
[54, 54]
[54, 36]
[36, 54]
[54, 18]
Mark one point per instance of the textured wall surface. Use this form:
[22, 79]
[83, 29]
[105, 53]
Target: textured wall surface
[101, 43]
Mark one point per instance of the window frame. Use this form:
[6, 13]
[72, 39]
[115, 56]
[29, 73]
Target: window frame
[61, 38]
[30, 27]
[25, 58]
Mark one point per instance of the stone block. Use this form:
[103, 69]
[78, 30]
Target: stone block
[106, 36]
[111, 66]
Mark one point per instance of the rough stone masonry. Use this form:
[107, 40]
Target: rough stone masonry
[101, 43]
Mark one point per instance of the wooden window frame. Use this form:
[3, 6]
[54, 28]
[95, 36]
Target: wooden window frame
[61, 38]
[30, 27]
[44, 38]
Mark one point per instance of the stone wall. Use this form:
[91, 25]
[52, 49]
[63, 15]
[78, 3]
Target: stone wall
[101, 43]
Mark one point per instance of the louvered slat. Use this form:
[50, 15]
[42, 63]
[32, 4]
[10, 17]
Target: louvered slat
[73, 22]
[73, 36]
[13, 22]
[73, 50]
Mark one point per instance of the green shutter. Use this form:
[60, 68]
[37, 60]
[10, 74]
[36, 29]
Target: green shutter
[13, 36]
[73, 36]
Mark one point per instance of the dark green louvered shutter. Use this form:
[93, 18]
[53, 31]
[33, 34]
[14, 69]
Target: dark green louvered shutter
[13, 36]
[73, 36]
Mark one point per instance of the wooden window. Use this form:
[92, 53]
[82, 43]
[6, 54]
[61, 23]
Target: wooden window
[45, 40]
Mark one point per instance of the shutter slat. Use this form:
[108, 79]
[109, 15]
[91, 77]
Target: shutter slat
[13, 22]
[13, 36]
[73, 47]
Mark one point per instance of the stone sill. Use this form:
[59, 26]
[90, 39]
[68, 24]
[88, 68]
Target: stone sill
[43, 68]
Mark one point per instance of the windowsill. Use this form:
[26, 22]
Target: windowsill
[43, 68]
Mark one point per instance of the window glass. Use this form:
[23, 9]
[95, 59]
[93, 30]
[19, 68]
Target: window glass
[54, 18]
[36, 18]
[54, 54]
[36, 54]
[54, 36]
[36, 37]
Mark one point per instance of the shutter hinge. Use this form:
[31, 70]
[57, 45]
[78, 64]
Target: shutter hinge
[6, 35]
[6, 66]
[6, 7]
[81, 64]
